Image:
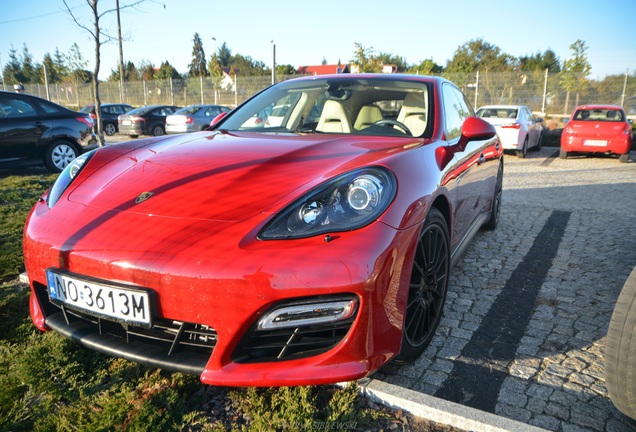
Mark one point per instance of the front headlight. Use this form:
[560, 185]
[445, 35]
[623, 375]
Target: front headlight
[66, 177]
[345, 203]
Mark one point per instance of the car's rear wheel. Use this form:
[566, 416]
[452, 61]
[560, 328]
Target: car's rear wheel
[495, 212]
[620, 351]
[110, 129]
[624, 158]
[157, 130]
[58, 155]
[524, 150]
[429, 282]
[133, 136]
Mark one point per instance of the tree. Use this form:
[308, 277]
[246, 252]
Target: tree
[540, 62]
[575, 72]
[390, 59]
[146, 70]
[479, 55]
[32, 71]
[426, 67]
[366, 59]
[197, 68]
[166, 71]
[130, 72]
[286, 69]
[12, 71]
[96, 34]
[224, 56]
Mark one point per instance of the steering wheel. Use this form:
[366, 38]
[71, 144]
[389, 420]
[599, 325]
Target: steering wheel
[388, 122]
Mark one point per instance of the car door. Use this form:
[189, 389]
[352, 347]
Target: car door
[472, 164]
[532, 126]
[21, 126]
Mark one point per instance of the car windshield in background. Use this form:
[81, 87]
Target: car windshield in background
[365, 106]
[497, 113]
[599, 115]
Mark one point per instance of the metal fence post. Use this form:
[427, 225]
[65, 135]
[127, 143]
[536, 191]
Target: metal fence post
[545, 91]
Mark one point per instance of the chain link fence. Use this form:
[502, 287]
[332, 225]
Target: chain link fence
[539, 90]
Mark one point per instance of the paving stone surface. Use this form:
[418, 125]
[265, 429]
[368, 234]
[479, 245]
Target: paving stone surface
[554, 376]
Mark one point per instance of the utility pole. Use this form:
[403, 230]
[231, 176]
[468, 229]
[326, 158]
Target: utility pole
[121, 57]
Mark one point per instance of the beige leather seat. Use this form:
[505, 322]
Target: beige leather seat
[333, 118]
[368, 115]
[413, 113]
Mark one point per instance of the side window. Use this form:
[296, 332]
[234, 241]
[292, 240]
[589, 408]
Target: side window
[456, 110]
[16, 108]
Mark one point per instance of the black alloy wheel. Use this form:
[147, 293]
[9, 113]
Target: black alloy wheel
[429, 283]
[495, 211]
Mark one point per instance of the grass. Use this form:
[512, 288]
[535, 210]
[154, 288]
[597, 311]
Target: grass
[48, 383]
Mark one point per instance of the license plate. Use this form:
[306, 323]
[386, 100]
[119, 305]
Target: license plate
[596, 143]
[126, 305]
[126, 122]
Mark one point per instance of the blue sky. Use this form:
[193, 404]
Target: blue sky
[307, 32]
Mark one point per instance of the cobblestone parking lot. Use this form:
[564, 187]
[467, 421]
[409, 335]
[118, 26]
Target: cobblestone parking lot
[529, 305]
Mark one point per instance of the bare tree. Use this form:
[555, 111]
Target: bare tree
[96, 34]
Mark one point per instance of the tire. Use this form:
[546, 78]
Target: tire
[624, 158]
[133, 136]
[495, 212]
[157, 130]
[59, 154]
[110, 129]
[429, 283]
[524, 150]
[620, 350]
[563, 154]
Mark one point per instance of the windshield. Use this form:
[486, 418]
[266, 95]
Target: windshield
[342, 105]
[497, 112]
[599, 115]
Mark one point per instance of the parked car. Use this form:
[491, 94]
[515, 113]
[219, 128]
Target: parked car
[34, 129]
[600, 129]
[193, 118]
[518, 129]
[109, 113]
[148, 120]
[305, 253]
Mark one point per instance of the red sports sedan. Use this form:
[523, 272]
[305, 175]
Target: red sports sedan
[311, 250]
[597, 129]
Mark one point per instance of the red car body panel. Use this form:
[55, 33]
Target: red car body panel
[597, 136]
[194, 243]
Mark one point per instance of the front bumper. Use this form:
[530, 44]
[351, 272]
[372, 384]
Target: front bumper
[217, 290]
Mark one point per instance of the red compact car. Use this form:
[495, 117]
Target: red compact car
[597, 129]
[309, 250]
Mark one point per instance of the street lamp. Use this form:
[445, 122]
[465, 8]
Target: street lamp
[273, 62]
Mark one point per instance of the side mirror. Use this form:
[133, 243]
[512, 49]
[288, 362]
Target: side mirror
[475, 129]
[218, 118]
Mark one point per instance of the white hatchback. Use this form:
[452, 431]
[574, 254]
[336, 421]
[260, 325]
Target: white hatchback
[517, 127]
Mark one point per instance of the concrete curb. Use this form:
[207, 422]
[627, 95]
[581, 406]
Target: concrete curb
[439, 410]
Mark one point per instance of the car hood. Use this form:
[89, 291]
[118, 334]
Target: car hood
[222, 176]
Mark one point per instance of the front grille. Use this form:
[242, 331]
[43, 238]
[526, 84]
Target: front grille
[290, 343]
[168, 343]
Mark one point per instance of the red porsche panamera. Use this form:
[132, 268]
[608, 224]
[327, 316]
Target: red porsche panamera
[309, 250]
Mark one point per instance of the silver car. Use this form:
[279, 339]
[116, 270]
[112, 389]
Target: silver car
[518, 129]
[193, 118]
